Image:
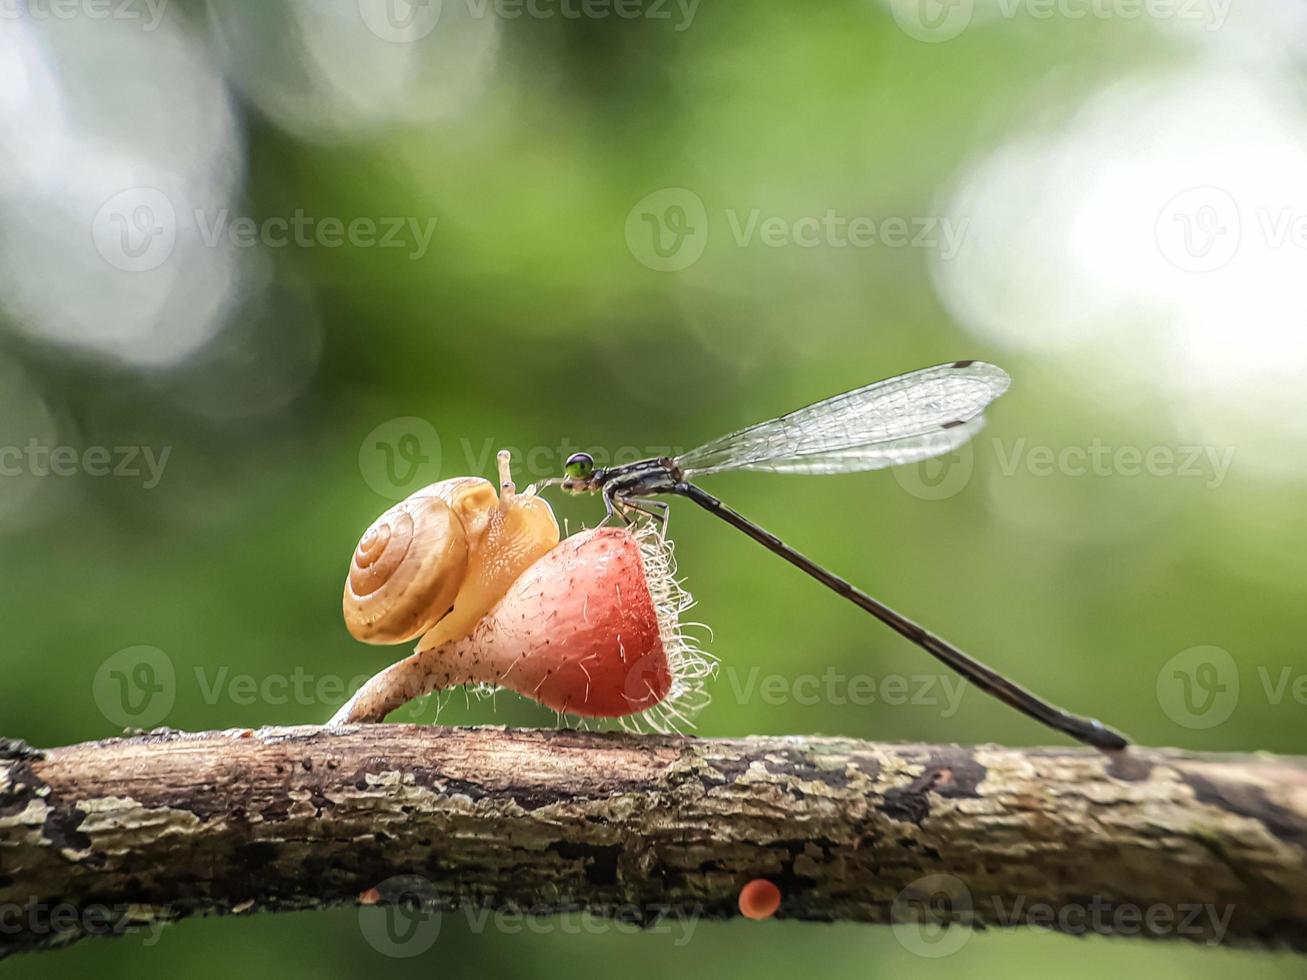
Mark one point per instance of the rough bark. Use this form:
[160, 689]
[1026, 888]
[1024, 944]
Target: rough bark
[105, 836]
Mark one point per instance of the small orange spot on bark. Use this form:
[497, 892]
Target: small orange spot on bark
[369, 897]
[759, 899]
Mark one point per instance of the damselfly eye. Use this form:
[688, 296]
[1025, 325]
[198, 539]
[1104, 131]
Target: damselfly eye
[579, 466]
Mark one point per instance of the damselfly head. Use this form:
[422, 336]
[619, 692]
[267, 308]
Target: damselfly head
[579, 474]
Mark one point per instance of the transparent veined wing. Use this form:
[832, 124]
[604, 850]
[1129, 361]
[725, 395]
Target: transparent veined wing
[874, 456]
[900, 420]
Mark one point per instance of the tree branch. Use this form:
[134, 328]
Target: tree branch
[106, 836]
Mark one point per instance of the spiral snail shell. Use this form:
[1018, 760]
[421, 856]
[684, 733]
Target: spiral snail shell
[432, 565]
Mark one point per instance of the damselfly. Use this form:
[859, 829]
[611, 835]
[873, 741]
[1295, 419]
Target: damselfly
[904, 419]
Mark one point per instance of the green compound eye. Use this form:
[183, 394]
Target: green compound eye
[579, 466]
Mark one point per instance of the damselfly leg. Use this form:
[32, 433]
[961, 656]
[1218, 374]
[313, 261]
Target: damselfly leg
[658, 511]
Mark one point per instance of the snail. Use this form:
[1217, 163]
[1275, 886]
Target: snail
[589, 625]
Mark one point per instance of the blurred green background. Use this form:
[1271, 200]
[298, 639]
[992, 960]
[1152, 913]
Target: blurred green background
[631, 234]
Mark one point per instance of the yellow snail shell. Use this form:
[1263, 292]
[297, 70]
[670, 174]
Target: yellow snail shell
[434, 564]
